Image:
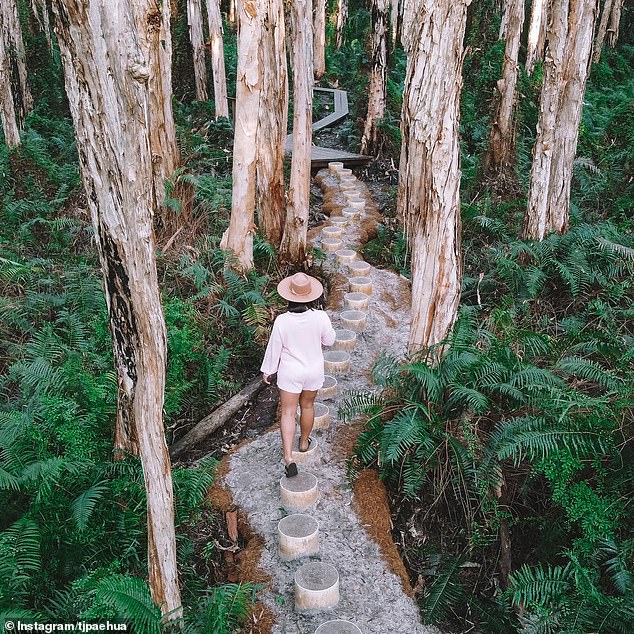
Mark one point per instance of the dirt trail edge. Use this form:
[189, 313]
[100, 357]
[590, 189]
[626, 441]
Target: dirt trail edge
[372, 596]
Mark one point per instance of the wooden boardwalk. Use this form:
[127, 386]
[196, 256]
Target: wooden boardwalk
[321, 156]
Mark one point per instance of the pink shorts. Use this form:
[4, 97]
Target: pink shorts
[296, 382]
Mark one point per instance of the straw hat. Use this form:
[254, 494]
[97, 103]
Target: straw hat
[300, 288]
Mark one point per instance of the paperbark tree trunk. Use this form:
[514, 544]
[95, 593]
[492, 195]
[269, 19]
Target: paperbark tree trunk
[238, 238]
[615, 21]
[231, 17]
[536, 34]
[40, 11]
[378, 76]
[195, 22]
[500, 157]
[566, 67]
[606, 14]
[106, 68]
[429, 185]
[341, 17]
[293, 246]
[319, 40]
[15, 96]
[273, 117]
[216, 47]
[153, 23]
[394, 21]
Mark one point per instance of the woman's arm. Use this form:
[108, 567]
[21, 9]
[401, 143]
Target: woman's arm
[328, 334]
[273, 352]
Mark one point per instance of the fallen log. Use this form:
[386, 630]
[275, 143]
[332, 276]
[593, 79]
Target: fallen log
[217, 418]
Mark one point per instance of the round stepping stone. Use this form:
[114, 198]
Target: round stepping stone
[338, 627]
[355, 320]
[336, 361]
[359, 268]
[347, 187]
[304, 457]
[348, 179]
[346, 340]
[334, 167]
[331, 244]
[316, 587]
[299, 493]
[356, 301]
[351, 194]
[322, 416]
[360, 284]
[345, 256]
[356, 203]
[332, 232]
[329, 388]
[298, 536]
[344, 171]
[349, 212]
[338, 221]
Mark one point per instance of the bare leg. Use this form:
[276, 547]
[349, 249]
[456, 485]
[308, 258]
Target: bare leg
[307, 418]
[288, 403]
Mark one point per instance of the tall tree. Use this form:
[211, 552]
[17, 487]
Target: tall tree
[429, 185]
[395, 21]
[566, 67]
[500, 156]
[195, 22]
[378, 75]
[319, 40]
[615, 22]
[153, 24]
[536, 34]
[606, 14]
[15, 96]
[273, 117]
[293, 246]
[238, 238]
[106, 68]
[216, 47]
[340, 19]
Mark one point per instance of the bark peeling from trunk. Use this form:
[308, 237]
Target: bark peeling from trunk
[195, 23]
[216, 48]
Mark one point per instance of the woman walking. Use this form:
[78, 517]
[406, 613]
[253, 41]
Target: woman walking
[294, 352]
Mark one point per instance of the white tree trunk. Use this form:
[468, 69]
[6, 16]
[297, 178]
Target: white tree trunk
[273, 117]
[341, 17]
[429, 185]
[606, 14]
[231, 17]
[106, 67]
[15, 96]
[319, 40]
[217, 58]
[378, 76]
[500, 157]
[153, 23]
[566, 67]
[615, 21]
[238, 238]
[196, 37]
[293, 247]
[536, 34]
[40, 11]
[394, 21]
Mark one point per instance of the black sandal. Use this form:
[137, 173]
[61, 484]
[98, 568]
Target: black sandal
[291, 470]
[310, 441]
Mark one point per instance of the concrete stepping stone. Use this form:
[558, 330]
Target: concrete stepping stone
[316, 587]
[359, 268]
[322, 416]
[357, 203]
[356, 301]
[332, 232]
[306, 457]
[350, 213]
[300, 492]
[345, 256]
[344, 171]
[331, 244]
[329, 388]
[352, 194]
[334, 167]
[355, 320]
[360, 284]
[347, 187]
[336, 362]
[298, 536]
[346, 340]
[338, 221]
[338, 627]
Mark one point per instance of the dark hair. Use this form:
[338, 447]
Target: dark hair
[302, 307]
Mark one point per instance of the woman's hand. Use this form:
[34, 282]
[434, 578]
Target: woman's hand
[266, 378]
